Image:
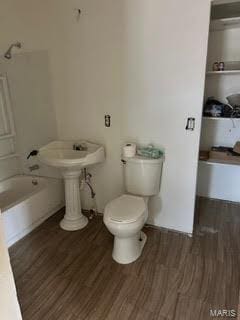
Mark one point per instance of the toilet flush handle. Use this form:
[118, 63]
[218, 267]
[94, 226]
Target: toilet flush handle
[124, 161]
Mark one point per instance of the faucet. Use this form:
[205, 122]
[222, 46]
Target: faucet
[80, 146]
[32, 153]
[34, 167]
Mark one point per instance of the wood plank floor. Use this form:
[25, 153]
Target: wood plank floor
[71, 276]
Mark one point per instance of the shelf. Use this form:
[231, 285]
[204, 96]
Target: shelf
[219, 118]
[219, 162]
[212, 73]
[225, 23]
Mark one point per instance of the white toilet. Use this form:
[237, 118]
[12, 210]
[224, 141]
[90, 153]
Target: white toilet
[125, 216]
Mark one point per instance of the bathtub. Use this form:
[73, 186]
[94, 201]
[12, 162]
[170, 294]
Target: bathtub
[26, 201]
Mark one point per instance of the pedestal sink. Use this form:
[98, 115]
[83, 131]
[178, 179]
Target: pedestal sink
[71, 157]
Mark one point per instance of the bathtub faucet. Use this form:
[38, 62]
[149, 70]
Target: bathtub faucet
[34, 167]
[80, 146]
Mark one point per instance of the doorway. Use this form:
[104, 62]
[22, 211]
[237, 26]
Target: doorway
[219, 156]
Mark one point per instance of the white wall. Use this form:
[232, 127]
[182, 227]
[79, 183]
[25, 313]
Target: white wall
[9, 167]
[34, 115]
[29, 78]
[137, 61]
[27, 21]
[223, 46]
[220, 132]
[221, 181]
[142, 62]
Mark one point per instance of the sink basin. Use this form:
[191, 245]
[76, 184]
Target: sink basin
[71, 157]
[61, 154]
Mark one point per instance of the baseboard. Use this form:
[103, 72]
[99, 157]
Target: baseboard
[163, 229]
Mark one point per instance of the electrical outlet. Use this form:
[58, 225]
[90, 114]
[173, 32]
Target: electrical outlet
[107, 120]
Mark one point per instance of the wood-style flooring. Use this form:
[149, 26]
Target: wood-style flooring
[71, 275]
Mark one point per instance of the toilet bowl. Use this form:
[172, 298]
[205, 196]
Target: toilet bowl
[126, 215]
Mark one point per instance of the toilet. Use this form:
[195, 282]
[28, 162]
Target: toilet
[126, 215]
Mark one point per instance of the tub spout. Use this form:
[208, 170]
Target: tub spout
[34, 167]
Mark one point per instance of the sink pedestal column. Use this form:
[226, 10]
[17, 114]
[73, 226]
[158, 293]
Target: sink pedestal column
[73, 219]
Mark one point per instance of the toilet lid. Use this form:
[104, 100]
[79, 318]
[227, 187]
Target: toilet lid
[126, 208]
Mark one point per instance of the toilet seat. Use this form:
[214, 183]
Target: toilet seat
[125, 209]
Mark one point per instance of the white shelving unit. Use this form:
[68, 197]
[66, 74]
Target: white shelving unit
[220, 178]
[218, 162]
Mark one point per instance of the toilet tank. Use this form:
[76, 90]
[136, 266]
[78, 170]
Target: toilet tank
[142, 175]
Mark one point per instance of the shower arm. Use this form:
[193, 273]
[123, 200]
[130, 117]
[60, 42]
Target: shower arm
[8, 54]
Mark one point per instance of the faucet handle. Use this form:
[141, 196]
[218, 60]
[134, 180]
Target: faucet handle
[76, 146]
[84, 146]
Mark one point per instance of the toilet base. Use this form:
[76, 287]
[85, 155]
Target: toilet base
[127, 250]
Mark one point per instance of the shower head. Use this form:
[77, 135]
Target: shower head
[8, 54]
